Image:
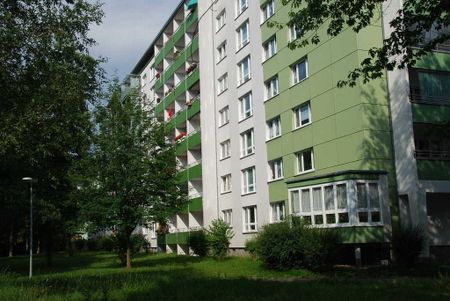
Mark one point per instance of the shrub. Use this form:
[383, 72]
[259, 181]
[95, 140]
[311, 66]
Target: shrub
[407, 244]
[108, 243]
[293, 245]
[92, 244]
[198, 243]
[219, 235]
[251, 246]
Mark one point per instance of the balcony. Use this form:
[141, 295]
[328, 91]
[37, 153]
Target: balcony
[189, 142]
[192, 171]
[179, 236]
[193, 107]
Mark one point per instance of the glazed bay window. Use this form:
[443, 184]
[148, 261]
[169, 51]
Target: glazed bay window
[299, 71]
[270, 48]
[226, 183]
[274, 128]
[245, 106]
[271, 87]
[247, 143]
[302, 115]
[225, 148]
[241, 5]
[221, 51]
[277, 212]
[330, 204]
[224, 116]
[249, 180]
[243, 36]
[244, 70]
[305, 161]
[222, 84]
[228, 217]
[276, 169]
[368, 202]
[220, 20]
[268, 10]
[250, 219]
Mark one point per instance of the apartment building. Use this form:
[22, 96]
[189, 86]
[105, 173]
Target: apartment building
[263, 132]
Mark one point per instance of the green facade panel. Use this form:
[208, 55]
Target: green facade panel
[362, 234]
[194, 205]
[193, 172]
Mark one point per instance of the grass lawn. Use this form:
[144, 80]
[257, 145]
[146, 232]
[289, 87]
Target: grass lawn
[98, 276]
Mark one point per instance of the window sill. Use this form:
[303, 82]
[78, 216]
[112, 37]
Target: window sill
[275, 180]
[248, 193]
[248, 155]
[268, 59]
[273, 138]
[221, 92]
[250, 232]
[299, 82]
[243, 119]
[244, 82]
[272, 97]
[222, 125]
[219, 61]
[225, 192]
[239, 13]
[306, 172]
[219, 29]
[302, 126]
[224, 158]
[265, 21]
[242, 46]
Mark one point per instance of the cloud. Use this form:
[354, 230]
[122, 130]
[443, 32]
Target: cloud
[128, 28]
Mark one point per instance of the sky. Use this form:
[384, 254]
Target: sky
[128, 28]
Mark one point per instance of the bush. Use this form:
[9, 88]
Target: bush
[93, 244]
[251, 246]
[198, 243]
[219, 235]
[293, 245]
[108, 243]
[407, 244]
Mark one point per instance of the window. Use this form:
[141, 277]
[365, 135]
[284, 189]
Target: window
[226, 183]
[273, 128]
[243, 36]
[241, 6]
[220, 20]
[302, 115]
[305, 161]
[368, 202]
[295, 33]
[247, 143]
[244, 70]
[222, 84]
[223, 116]
[429, 86]
[271, 87]
[268, 10]
[225, 148]
[299, 71]
[221, 51]
[245, 106]
[278, 213]
[249, 180]
[228, 216]
[324, 205]
[270, 48]
[250, 222]
[276, 169]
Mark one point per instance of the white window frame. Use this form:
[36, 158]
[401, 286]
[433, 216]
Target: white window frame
[224, 116]
[222, 51]
[221, 20]
[267, 10]
[296, 73]
[244, 70]
[246, 148]
[368, 209]
[298, 122]
[277, 212]
[226, 184]
[293, 33]
[270, 48]
[272, 87]
[222, 84]
[248, 187]
[301, 161]
[273, 128]
[341, 216]
[227, 216]
[241, 42]
[225, 149]
[276, 169]
[244, 111]
[248, 225]
[241, 5]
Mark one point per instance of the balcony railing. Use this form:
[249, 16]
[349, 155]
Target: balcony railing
[182, 230]
[416, 96]
[432, 155]
[192, 196]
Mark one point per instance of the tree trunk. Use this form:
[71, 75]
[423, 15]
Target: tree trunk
[128, 254]
[11, 241]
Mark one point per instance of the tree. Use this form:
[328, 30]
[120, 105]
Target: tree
[131, 172]
[48, 78]
[412, 22]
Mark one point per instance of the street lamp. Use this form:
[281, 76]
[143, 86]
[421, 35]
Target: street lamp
[31, 180]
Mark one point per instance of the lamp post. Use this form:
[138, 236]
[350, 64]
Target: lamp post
[28, 179]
